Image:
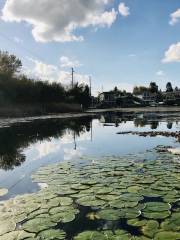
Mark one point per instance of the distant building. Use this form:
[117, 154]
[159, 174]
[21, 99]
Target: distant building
[108, 98]
[117, 99]
[149, 97]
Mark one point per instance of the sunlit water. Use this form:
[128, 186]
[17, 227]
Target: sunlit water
[25, 146]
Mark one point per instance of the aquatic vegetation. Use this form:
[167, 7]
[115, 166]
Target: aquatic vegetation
[138, 199]
[110, 214]
[3, 191]
[52, 234]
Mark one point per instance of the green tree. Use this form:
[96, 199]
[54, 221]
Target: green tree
[9, 64]
[169, 87]
[153, 87]
[139, 90]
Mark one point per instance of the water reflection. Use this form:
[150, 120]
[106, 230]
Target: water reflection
[43, 135]
[139, 120]
[26, 146]
[15, 138]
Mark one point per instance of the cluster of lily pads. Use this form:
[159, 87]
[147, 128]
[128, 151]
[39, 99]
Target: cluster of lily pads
[128, 197]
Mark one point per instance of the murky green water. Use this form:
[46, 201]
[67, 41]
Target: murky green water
[95, 184]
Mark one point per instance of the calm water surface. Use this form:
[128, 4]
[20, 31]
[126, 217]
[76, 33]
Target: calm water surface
[27, 145]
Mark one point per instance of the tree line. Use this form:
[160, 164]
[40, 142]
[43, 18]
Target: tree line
[17, 88]
[153, 88]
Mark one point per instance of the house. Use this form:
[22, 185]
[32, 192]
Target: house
[117, 99]
[149, 97]
[108, 98]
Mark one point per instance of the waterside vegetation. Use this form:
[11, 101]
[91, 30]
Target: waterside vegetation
[21, 95]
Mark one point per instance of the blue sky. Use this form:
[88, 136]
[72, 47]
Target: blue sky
[123, 51]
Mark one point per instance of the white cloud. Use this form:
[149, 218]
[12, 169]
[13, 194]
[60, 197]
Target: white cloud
[43, 71]
[124, 10]
[52, 73]
[58, 20]
[160, 73]
[65, 78]
[65, 62]
[70, 154]
[175, 17]
[172, 54]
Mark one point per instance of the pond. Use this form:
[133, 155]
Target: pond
[90, 178]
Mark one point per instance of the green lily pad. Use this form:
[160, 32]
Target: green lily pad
[122, 234]
[157, 206]
[51, 234]
[108, 197]
[90, 235]
[124, 204]
[90, 201]
[63, 217]
[79, 187]
[150, 228]
[165, 235]
[131, 213]
[172, 223]
[156, 215]
[38, 224]
[104, 190]
[110, 214]
[136, 222]
[134, 189]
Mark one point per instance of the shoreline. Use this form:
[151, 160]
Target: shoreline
[169, 109]
[94, 112]
[4, 121]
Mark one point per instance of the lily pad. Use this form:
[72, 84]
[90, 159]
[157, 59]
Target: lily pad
[38, 224]
[51, 234]
[150, 228]
[90, 201]
[136, 222]
[157, 206]
[90, 235]
[156, 215]
[110, 214]
[7, 226]
[172, 223]
[3, 191]
[9, 236]
[167, 236]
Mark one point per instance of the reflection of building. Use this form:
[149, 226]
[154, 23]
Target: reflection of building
[114, 118]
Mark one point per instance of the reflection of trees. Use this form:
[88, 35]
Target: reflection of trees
[19, 136]
[115, 118]
[10, 160]
[169, 125]
[154, 124]
[140, 122]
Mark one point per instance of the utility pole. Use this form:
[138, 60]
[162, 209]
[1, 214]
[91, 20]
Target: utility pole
[90, 86]
[73, 77]
[102, 89]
